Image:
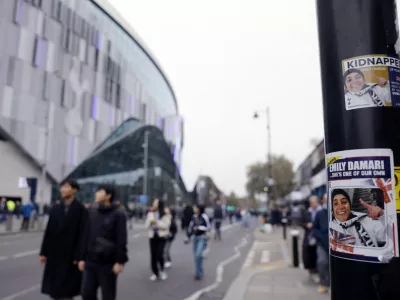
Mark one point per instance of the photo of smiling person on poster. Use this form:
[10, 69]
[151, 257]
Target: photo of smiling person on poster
[356, 223]
[359, 93]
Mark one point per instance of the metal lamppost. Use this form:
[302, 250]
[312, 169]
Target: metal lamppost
[359, 52]
[267, 189]
[146, 162]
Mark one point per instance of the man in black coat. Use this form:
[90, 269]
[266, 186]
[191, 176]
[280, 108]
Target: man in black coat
[62, 246]
[105, 246]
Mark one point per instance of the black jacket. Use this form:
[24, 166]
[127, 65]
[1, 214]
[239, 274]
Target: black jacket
[202, 224]
[62, 246]
[218, 213]
[106, 236]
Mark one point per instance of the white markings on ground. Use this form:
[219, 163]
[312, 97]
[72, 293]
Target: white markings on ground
[250, 256]
[220, 271]
[265, 257]
[27, 253]
[23, 292]
[285, 252]
[256, 247]
[3, 257]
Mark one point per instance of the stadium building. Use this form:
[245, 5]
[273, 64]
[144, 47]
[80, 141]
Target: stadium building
[80, 94]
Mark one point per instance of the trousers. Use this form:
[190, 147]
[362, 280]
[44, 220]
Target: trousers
[157, 245]
[323, 265]
[98, 276]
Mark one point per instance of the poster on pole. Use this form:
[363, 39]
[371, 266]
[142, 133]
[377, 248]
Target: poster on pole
[371, 81]
[362, 205]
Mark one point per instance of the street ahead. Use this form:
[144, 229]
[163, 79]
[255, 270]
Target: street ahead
[21, 273]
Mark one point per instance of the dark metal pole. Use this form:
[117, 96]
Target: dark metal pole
[349, 29]
[269, 156]
[284, 226]
[295, 248]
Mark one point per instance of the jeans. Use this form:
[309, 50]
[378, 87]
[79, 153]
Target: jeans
[199, 243]
[99, 276]
[167, 248]
[218, 230]
[323, 265]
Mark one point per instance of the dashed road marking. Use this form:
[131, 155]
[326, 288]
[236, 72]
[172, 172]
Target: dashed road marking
[23, 292]
[220, 271]
[265, 256]
[27, 253]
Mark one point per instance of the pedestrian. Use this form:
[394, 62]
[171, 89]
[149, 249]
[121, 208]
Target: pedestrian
[321, 233]
[62, 246]
[309, 241]
[198, 228]
[187, 215]
[173, 229]
[158, 223]
[218, 217]
[27, 210]
[105, 246]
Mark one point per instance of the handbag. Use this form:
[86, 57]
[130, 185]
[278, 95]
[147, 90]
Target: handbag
[105, 247]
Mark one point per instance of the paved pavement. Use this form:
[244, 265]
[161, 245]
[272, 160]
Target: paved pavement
[21, 273]
[267, 273]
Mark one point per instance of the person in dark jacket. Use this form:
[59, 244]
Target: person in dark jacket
[198, 228]
[321, 233]
[173, 229]
[309, 241]
[187, 216]
[61, 248]
[218, 217]
[105, 247]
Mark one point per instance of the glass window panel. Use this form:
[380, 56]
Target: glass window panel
[8, 95]
[46, 6]
[77, 23]
[55, 7]
[95, 108]
[82, 49]
[40, 23]
[10, 71]
[18, 13]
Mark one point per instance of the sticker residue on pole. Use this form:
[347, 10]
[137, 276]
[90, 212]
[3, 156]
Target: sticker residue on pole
[362, 205]
[371, 81]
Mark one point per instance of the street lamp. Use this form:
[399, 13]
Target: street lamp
[269, 180]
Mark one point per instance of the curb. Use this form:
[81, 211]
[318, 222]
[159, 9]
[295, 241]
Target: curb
[19, 232]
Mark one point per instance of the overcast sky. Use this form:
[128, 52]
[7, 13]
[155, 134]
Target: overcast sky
[226, 59]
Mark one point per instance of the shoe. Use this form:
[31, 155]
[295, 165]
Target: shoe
[322, 289]
[153, 277]
[168, 264]
[198, 278]
[163, 276]
[315, 278]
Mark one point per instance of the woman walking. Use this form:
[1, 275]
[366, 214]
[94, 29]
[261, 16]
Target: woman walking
[198, 228]
[158, 223]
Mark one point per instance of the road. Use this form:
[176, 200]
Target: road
[21, 273]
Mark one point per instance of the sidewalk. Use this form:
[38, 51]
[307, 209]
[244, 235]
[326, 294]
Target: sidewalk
[16, 227]
[267, 273]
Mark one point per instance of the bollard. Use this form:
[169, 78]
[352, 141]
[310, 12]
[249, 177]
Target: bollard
[295, 248]
[284, 226]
